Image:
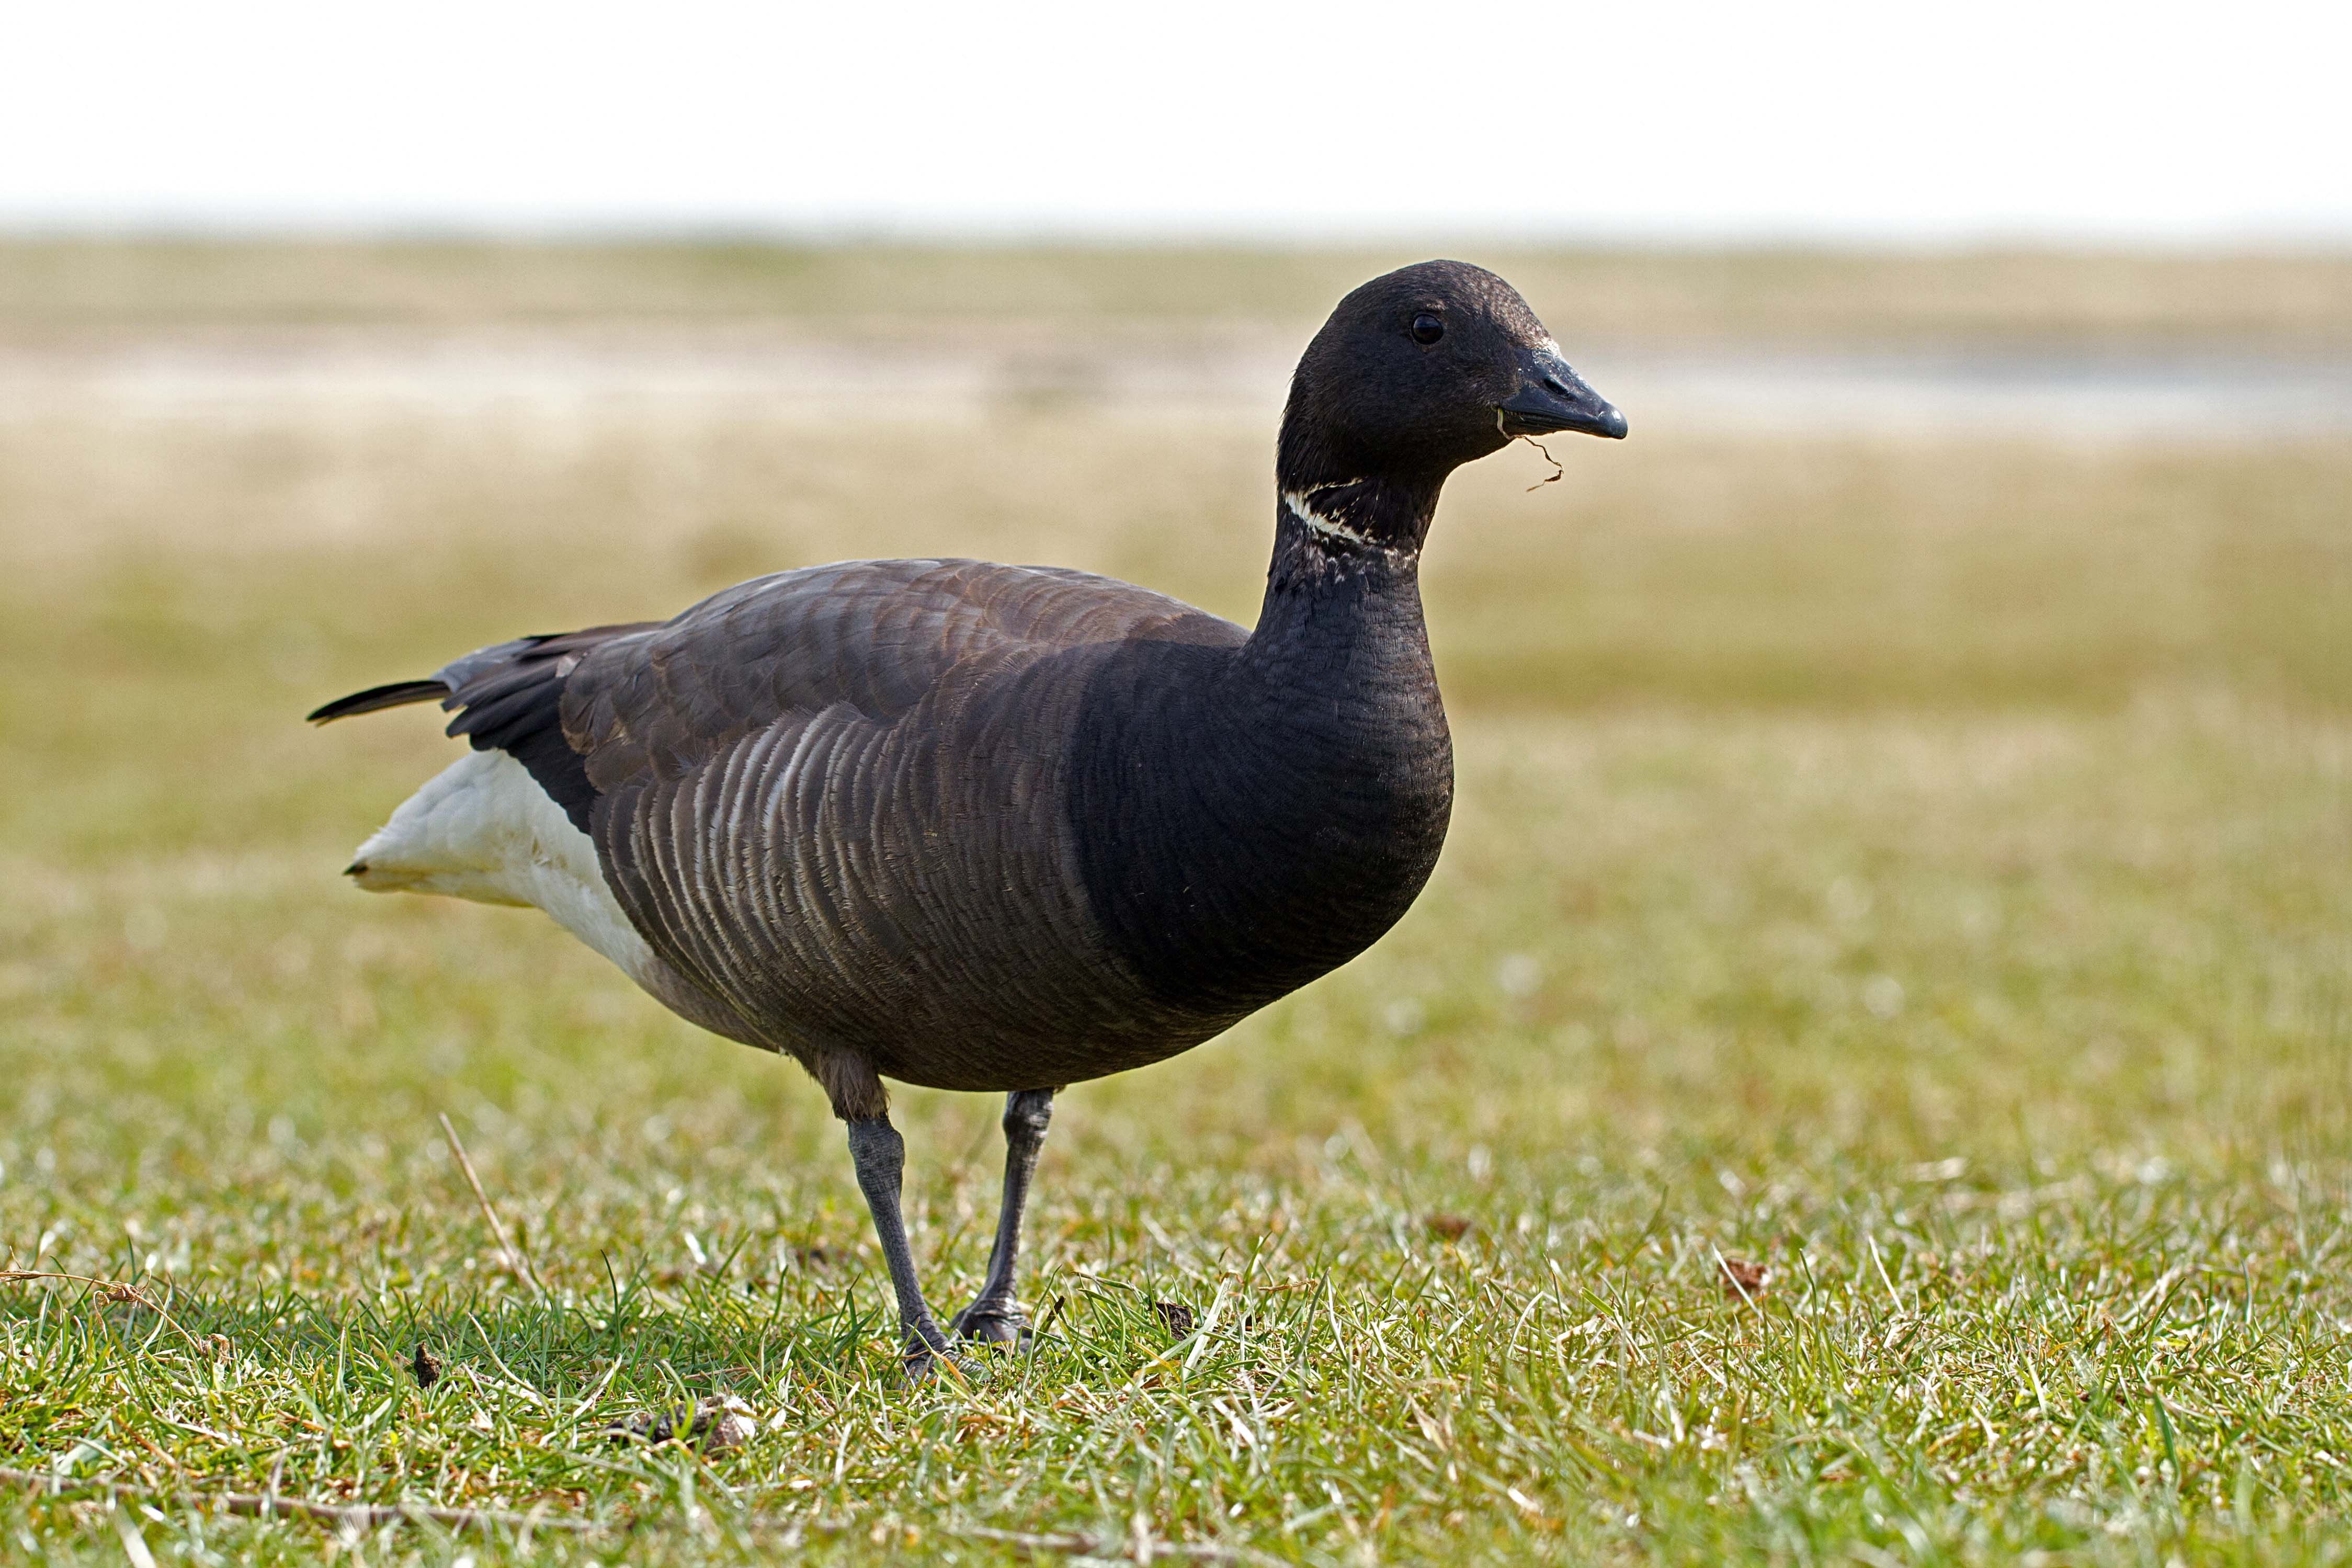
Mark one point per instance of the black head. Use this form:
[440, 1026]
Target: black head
[1422, 370]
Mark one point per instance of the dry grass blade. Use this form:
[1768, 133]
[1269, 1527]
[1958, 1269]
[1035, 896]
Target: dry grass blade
[515, 1261]
[370, 1516]
[113, 1290]
[1558, 470]
[1144, 1549]
[267, 1505]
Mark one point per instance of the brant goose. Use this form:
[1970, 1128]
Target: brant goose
[1006, 827]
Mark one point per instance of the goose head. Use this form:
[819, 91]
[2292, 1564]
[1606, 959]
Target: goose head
[1416, 373]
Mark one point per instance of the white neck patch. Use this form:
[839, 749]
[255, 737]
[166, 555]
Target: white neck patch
[1328, 527]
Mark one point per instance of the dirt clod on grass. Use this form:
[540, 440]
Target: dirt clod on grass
[714, 1422]
[1743, 1280]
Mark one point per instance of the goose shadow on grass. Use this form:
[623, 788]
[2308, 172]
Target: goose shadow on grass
[634, 1342]
[579, 1360]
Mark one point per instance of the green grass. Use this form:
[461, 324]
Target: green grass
[1920, 872]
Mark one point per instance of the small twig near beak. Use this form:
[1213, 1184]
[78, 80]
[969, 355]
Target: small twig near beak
[1556, 469]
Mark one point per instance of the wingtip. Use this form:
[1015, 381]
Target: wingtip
[377, 698]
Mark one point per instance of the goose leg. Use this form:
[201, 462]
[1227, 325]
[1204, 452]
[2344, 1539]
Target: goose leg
[880, 1156]
[996, 1316]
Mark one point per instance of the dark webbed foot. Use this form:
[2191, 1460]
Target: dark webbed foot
[924, 1348]
[991, 1324]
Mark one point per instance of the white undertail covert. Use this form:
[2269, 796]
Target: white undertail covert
[483, 829]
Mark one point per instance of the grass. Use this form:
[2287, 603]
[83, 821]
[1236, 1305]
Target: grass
[2295, 301]
[1918, 872]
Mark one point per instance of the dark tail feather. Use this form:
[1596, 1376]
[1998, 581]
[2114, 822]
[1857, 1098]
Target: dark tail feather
[398, 694]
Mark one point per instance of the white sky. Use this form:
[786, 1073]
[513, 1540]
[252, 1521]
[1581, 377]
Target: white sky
[1805, 119]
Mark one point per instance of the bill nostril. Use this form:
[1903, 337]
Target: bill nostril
[1554, 385]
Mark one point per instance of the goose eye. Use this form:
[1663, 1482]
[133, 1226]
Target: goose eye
[1427, 328]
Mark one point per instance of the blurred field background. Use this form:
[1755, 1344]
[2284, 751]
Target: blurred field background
[2300, 302]
[1907, 852]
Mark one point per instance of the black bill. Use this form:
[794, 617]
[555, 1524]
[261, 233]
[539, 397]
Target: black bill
[1552, 397]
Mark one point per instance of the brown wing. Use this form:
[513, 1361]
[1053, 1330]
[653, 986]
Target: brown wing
[832, 798]
[875, 636]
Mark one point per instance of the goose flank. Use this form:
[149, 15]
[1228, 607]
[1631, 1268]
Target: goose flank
[1007, 828]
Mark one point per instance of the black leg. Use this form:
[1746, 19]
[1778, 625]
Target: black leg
[880, 1156]
[996, 1316]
